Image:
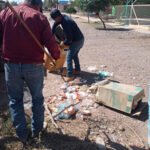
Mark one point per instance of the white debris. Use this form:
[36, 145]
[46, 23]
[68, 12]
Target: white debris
[100, 143]
[92, 68]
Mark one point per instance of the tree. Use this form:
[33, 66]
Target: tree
[50, 3]
[13, 3]
[76, 3]
[71, 10]
[83, 6]
[95, 6]
[118, 2]
[124, 2]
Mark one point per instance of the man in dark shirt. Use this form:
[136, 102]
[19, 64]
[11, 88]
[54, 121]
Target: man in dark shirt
[24, 62]
[74, 38]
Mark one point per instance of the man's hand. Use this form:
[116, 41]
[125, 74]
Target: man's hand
[63, 46]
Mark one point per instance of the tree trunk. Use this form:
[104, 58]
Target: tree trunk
[88, 17]
[101, 20]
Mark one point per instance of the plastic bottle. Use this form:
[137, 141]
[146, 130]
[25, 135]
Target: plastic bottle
[104, 74]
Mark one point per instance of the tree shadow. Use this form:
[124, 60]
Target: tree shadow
[114, 29]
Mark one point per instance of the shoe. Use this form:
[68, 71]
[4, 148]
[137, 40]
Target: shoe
[68, 79]
[77, 72]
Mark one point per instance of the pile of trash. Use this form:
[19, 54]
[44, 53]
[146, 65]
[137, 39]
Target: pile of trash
[76, 101]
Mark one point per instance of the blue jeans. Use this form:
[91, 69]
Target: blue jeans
[72, 55]
[15, 76]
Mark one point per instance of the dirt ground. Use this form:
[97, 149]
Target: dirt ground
[124, 52]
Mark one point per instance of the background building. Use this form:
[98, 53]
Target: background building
[63, 4]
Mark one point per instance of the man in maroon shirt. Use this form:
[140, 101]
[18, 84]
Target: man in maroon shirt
[24, 62]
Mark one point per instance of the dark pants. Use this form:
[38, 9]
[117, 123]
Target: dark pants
[73, 56]
[33, 75]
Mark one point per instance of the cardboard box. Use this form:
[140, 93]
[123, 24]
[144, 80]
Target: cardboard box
[119, 96]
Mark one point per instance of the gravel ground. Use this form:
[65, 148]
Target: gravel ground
[124, 52]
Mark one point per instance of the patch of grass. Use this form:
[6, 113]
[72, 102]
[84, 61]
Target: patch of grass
[6, 125]
[50, 139]
[7, 131]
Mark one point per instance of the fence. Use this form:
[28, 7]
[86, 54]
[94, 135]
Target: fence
[132, 14]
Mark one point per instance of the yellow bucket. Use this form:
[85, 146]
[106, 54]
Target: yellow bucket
[59, 63]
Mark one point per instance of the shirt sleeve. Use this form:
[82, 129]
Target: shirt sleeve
[48, 40]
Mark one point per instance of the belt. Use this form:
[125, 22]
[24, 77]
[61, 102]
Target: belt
[9, 62]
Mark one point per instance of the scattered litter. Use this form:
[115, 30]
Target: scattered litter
[96, 79]
[82, 95]
[79, 116]
[100, 143]
[86, 112]
[104, 74]
[84, 81]
[54, 109]
[71, 94]
[68, 112]
[71, 89]
[92, 68]
[64, 86]
[103, 66]
[113, 138]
